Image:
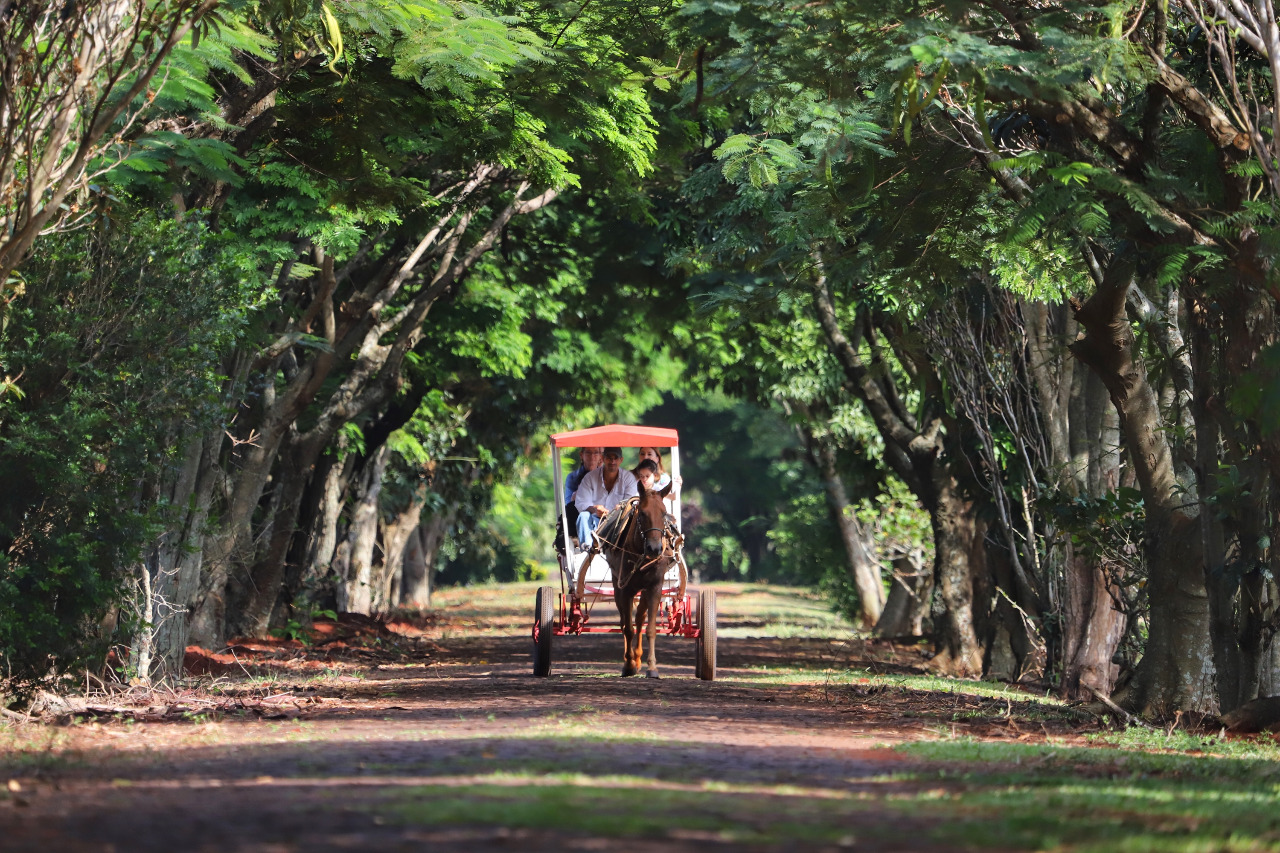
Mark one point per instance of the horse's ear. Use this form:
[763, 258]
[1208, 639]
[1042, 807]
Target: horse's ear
[665, 490]
[640, 486]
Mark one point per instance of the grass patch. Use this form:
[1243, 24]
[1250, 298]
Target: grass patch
[941, 684]
[961, 794]
[967, 796]
[1265, 746]
[1050, 796]
[761, 610]
[627, 807]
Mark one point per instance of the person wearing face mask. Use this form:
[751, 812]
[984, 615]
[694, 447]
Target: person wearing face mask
[600, 491]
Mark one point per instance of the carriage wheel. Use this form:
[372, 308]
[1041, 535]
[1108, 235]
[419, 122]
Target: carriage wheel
[697, 642]
[544, 612]
[706, 646]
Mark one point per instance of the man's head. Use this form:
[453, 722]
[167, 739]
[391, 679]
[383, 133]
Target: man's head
[612, 459]
[590, 457]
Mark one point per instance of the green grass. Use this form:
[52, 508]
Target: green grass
[1265, 746]
[760, 610]
[960, 794]
[627, 807]
[1088, 798]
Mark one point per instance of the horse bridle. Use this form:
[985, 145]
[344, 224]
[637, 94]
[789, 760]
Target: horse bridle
[667, 550]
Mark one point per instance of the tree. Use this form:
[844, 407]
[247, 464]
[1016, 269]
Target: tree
[70, 85]
[1104, 130]
[120, 342]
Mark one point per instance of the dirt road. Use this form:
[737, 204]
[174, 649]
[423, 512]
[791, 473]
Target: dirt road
[461, 749]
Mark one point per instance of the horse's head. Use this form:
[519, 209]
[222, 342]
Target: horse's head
[652, 515]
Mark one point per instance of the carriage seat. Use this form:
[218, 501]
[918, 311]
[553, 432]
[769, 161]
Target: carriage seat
[600, 579]
[598, 573]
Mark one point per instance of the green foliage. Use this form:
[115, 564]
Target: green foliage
[741, 470]
[808, 545]
[120, 349]
[1257, 393]
[896, 525]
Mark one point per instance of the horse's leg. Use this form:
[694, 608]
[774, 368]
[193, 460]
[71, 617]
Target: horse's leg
[654, 595]
[628, 631]
[642, 602]
[637, 636]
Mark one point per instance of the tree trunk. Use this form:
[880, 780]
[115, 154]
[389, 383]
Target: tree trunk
[1093, 629]
[397, 532]
[1176, 671]
[1083, 436]
[864, 569]
[954, 533]
[309, 580]
[916, 451]
[258, 601]
[910, 593]
[356, 592]
[1092, 626]
[177, 557]
[415, 591]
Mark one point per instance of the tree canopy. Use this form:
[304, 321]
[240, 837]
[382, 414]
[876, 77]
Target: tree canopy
[968, 309]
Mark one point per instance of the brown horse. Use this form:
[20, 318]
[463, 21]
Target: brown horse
[633, 538]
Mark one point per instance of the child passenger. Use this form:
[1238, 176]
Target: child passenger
[647, 475]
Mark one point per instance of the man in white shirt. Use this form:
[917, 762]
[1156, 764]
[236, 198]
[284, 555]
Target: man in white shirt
[601, 490]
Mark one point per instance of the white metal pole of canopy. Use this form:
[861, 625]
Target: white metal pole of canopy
[613, 435]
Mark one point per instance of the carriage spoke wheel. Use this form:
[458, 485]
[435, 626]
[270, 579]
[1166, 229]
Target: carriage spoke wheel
[705, 650]
[544, 612]
[697, 643]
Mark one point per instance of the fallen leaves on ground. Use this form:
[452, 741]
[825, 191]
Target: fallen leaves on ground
[351, 638]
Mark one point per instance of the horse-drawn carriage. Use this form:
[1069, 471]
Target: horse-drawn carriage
[643, 554]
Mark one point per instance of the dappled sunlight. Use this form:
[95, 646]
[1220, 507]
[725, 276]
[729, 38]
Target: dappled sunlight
[808, 741]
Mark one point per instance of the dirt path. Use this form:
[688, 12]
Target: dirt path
[463, 750]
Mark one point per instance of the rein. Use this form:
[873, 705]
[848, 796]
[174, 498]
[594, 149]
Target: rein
[630, 524]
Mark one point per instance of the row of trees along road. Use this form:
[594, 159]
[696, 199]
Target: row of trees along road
[289, 286]
[1036, 241]
[293, 301]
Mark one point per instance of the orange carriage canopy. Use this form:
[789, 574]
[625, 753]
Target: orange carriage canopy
[617, 435]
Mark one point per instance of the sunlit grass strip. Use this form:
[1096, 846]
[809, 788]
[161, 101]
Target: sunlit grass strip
[630, 807]
[516, 779]
[1053, 796]
[1222, 758]
[930, 683]
[1261, 746]
[1035, 812]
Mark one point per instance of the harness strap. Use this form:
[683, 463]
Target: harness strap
[618, 529]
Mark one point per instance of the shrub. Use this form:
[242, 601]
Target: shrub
[116, 348]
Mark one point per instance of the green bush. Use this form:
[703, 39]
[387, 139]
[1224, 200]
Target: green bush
[116, 349]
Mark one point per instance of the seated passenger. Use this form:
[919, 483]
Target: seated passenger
[651, 454]
[588, 461]
[600, 491]
[646, 474]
